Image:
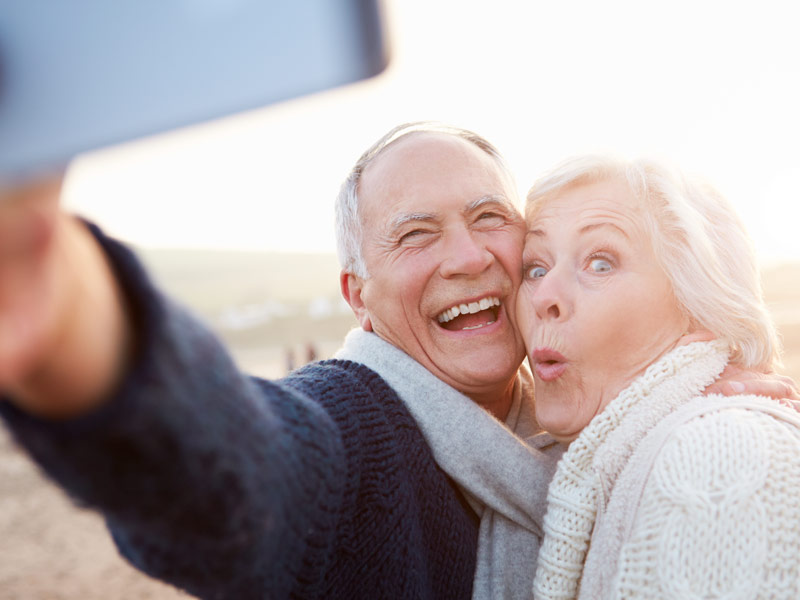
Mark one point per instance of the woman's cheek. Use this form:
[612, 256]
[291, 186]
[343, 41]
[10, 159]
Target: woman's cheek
[524, 311]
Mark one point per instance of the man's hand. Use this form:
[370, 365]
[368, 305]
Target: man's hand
[63, 335]
[30, 294]
[735, 380]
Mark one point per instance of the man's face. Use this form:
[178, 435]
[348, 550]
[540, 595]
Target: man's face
[443, 245]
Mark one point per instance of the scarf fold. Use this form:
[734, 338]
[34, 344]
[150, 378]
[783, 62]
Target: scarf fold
[503, 469]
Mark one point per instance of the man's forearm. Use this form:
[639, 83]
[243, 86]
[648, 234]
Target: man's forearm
[191, 462]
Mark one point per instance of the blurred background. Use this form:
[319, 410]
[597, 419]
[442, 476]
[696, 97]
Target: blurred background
[235, 216]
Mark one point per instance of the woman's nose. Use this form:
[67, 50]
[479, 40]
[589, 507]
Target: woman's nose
[465, 254]
[550, 298]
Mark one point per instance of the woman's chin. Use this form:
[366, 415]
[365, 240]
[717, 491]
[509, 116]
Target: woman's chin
[562, 431]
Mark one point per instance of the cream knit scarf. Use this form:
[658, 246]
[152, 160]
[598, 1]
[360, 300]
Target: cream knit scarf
[504, 479]
[590, 467]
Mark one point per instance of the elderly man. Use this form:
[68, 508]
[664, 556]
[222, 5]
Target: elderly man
[374, 475]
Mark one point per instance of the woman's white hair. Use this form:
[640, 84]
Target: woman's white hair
[349, 232]
[700, 243]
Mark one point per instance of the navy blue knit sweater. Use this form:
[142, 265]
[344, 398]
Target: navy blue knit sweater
[318, 485]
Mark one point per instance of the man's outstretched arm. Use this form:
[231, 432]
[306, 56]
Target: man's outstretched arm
[136, 410]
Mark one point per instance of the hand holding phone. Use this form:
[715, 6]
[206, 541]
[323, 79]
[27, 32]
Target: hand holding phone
[65, 335]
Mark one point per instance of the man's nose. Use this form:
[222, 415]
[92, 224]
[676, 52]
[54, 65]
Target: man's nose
[465, 254]
[551, 299]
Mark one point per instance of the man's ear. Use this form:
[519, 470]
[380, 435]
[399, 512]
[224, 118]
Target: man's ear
[351, 286]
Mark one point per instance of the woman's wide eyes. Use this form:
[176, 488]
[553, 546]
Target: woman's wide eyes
[600, 265]
[536, 272]
[596, 265]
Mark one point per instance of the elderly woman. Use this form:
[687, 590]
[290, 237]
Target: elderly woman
[662, 492]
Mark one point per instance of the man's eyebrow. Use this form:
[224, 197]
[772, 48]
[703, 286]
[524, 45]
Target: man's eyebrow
[406, 218]
[490, 199]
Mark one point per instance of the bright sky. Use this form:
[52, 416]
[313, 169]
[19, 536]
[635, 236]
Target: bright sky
[713, 86]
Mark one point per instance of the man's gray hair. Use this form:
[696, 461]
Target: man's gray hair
[699, 242]
[349, 227]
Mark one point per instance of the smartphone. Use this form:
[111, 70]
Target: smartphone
[81, 74]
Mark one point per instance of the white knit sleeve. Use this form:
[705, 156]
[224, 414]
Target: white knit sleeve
[719, 516]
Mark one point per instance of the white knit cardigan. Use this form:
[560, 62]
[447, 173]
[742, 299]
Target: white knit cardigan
[671, 494]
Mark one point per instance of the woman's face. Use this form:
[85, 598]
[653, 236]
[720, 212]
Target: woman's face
[595, 309]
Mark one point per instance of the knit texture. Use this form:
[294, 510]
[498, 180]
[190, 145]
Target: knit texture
[319, 485]
[507, 486]
[667, 494]
[719, 517]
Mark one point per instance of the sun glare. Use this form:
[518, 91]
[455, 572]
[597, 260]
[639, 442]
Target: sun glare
[540, 81]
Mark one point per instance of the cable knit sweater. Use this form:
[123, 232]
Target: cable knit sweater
[319, 485]
[670, 494]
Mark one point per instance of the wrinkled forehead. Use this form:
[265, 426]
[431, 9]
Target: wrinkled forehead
[591, 193]
[607, 207]
[431, 169]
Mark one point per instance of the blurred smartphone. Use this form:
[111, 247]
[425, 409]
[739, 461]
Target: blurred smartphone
[81, 74]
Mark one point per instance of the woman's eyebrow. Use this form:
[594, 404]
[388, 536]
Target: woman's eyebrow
[604, 225]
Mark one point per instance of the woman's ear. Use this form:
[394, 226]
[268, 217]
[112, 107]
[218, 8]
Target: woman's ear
[352, 286]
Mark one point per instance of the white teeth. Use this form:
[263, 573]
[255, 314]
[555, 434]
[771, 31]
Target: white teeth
[464, 309]
[479, 326]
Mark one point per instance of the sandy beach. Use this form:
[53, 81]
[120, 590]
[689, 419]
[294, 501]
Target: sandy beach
[51, 550]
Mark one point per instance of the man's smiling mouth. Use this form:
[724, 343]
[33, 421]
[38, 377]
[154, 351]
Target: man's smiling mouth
[470, 315]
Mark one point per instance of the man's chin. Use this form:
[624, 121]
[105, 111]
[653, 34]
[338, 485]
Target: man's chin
[477, 371]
